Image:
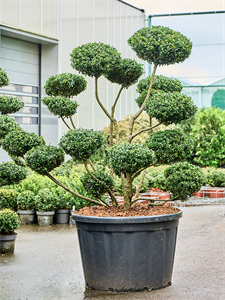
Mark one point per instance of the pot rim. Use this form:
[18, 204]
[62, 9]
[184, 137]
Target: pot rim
[121, 220]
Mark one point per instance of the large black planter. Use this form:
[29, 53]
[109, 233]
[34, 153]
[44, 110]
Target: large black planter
[127, 254]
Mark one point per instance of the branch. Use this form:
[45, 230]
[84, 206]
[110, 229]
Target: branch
[72, 192]
[140, 185]
[114, 201]
[99, 102]
[65, 123]
[92, 165]
[134, 117]
[142, 169]
[71, 120]
[114, 105]
[143, 130]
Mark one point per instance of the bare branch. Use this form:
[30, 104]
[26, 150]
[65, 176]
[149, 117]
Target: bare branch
[135, 116]
[99, 102]
[114, 201]
[71, 120]
[143, 130]
[72, 192]
[65, 123]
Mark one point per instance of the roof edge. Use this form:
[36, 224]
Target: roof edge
[141, 9]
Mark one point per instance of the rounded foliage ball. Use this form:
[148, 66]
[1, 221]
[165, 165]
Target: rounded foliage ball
[94, 187]
[44, 158]
[7, 124]
[11, 173]
[160, 82]
[169, 108]
[45, 200]
[9, 221]
[170, 146]
[10, 105]
[183, 179]
[80, 143]
[65, 84]
[129, 158]
[126, 73]
[160, 45]
[4, 80]
[18, 142]
[94, 59]
[8, 198]
[60, 106]
[25, 200]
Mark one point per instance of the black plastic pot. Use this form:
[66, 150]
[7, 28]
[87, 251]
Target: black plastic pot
[127, 253]
[62, 216]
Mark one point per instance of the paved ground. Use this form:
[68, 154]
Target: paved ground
[46, 263]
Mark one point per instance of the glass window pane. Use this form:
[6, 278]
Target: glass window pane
[26, 120]
[29, 110]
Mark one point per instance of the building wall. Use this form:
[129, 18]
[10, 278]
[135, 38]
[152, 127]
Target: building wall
[74, 23]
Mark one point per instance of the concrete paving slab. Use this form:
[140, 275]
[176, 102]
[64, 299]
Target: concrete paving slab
[47, 265]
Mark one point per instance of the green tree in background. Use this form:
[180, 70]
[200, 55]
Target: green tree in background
[218, 99]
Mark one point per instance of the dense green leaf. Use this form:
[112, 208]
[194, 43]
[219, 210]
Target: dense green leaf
[44, 158]
[9, 221]
[94, 59]
[60, 106]
[65, 84]
[10, 105]
[80, 143]
[160, 45]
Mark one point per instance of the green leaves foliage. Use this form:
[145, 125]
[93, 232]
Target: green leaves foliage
[94, 59]
[126, 73]
[45, 200]
[129, 158]
[183, 179]
[8, 198]
[160, 45]
[7, 124]
[60, 106]
[218, 99]
[9, 221]
[65, 84]
[80, 143]
[10, 173]
[4, 80]
[207, 130]
[94, 187]
[216, 178]
[170, 146]
[169, 108]
[160, 82]
[18, 142]
[25, 200]
[9, 104]
[44, 158]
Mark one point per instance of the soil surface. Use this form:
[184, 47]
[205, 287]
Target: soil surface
[137, 210]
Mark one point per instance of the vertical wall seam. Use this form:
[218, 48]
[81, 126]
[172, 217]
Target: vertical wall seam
[39, 91]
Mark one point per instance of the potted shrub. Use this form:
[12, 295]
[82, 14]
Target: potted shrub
[8, 198]
[45, 205]
[126, 247]
[9, 221]
[26, 207]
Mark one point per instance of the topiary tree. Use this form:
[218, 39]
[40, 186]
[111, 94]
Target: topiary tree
[160, 98]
